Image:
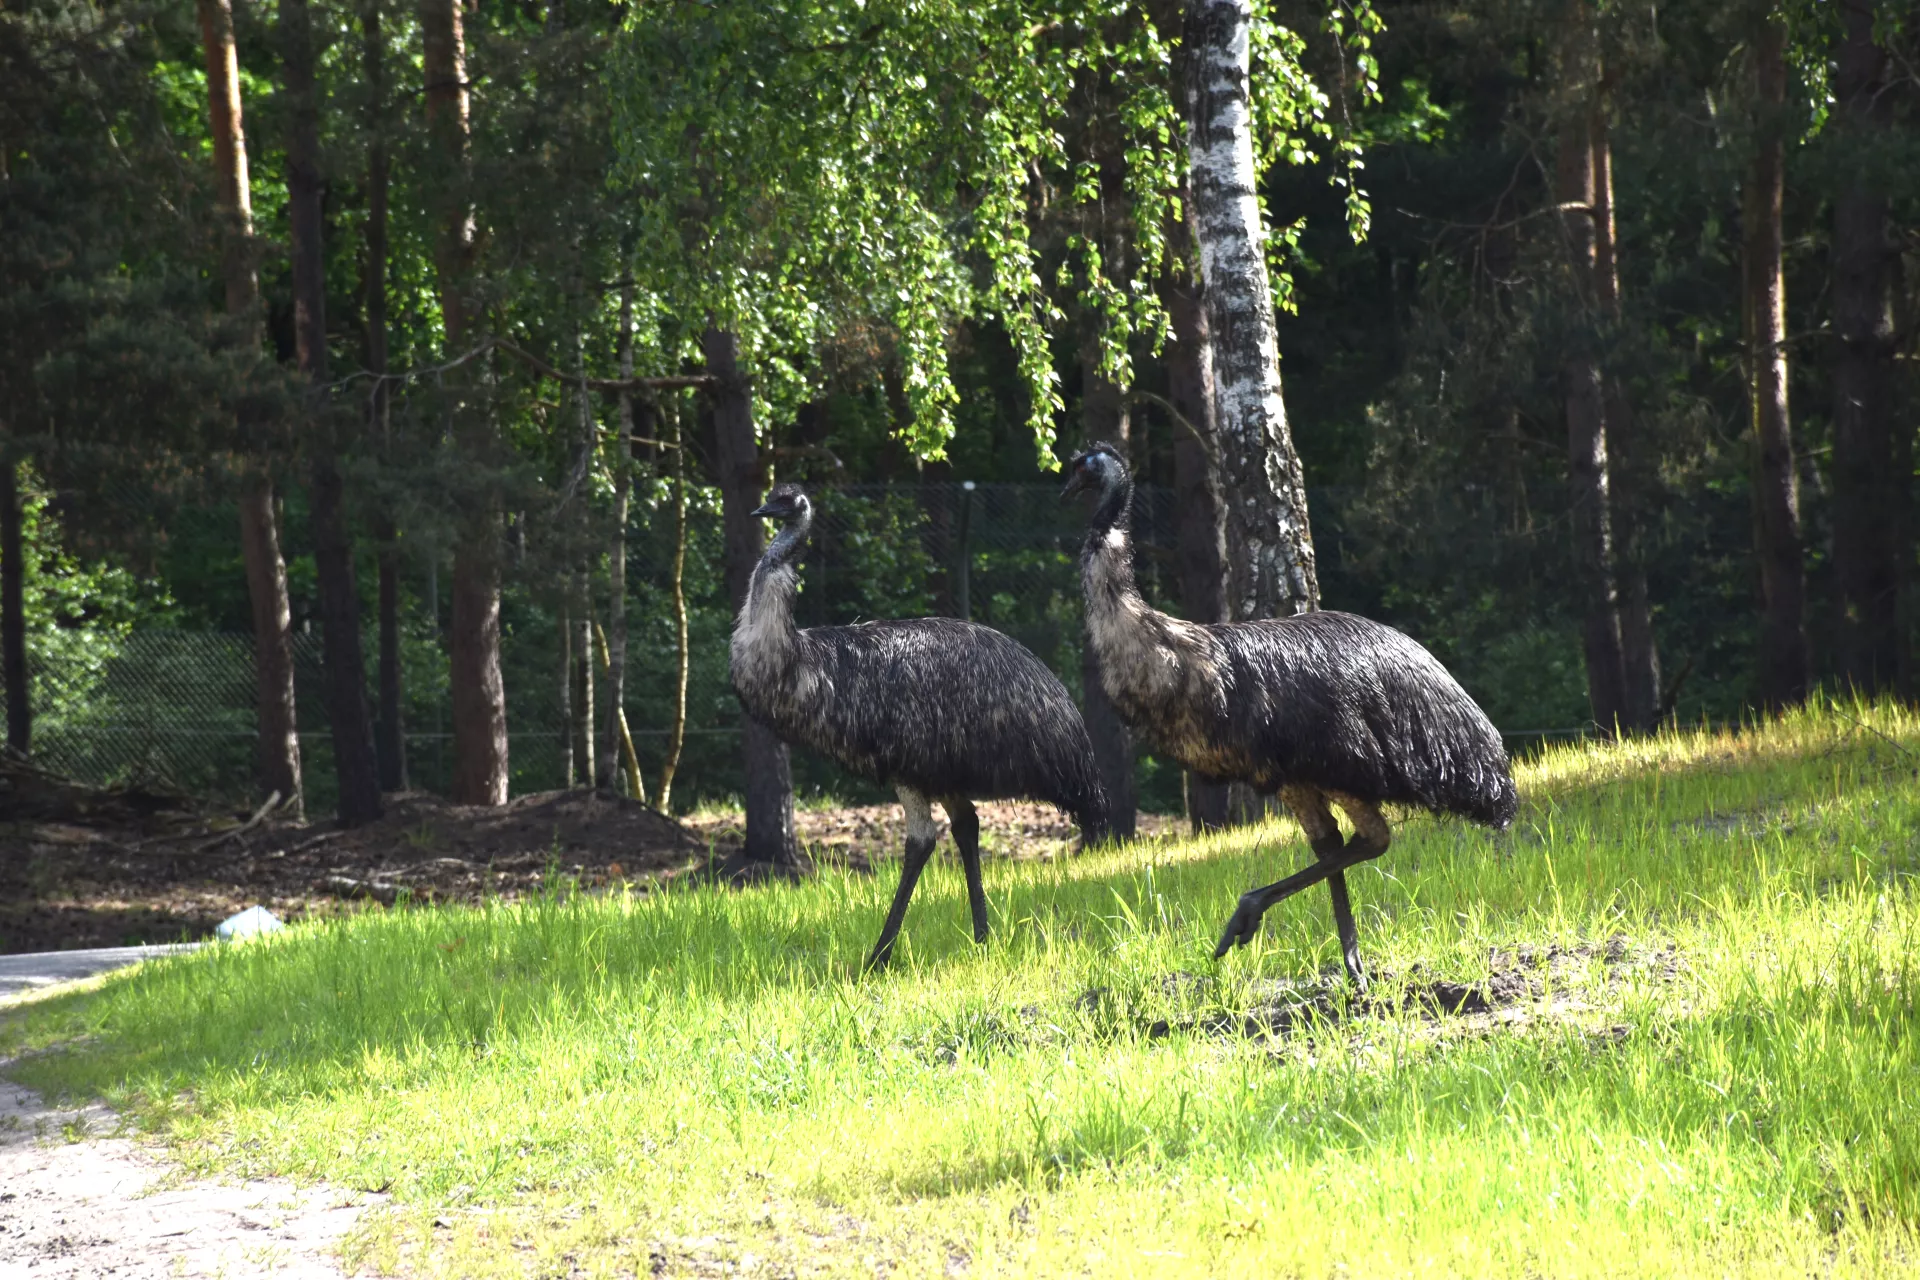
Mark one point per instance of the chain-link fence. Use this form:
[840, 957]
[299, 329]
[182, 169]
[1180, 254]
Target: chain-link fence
[177, 707]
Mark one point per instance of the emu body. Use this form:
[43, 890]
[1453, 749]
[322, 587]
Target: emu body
[1324, 709]
[941, 710]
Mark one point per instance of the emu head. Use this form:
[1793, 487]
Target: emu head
[1099, 468]
[786, 503]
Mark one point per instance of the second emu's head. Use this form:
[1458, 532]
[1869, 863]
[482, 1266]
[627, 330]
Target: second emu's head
[786, 503]
[1100, 468]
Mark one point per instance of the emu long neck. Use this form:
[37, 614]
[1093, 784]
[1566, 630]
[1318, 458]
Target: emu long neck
[1106, 570]
[764, 636]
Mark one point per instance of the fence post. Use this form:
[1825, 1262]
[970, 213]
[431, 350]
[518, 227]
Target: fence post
[962, 571]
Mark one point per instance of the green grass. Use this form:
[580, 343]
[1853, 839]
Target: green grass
[1716, 1072]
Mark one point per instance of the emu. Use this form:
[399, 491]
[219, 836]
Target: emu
[1324, 708]
[939, 709]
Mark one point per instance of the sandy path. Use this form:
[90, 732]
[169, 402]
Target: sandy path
[107, 1206]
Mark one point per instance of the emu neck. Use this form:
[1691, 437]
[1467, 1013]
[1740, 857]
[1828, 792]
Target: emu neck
[764, 636]
[1106, 568]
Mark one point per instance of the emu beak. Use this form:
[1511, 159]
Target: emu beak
[1075, 483]
[764, 510]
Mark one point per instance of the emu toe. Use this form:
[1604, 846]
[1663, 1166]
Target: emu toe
[1244, 924]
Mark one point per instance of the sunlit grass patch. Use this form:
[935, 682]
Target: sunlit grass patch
[1693, 1051]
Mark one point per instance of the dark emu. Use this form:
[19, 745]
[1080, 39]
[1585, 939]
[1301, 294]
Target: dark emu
[938, 709]
[1324, 708]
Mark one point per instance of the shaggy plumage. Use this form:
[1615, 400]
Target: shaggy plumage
[939, 709]
[1323, 707]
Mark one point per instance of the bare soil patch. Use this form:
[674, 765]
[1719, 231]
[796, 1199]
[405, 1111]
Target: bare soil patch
[105, 867]
[77, 1200]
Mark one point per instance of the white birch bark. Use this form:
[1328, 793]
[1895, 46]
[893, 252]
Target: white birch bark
[1269, 541]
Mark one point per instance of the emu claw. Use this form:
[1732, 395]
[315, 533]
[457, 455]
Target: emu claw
[1244, 924]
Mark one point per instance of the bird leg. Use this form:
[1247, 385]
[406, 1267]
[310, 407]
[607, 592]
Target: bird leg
[1370, 839]
[1309, 806]
[921, 835]
[965, 821]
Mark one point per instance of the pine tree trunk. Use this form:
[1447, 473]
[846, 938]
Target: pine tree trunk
[563, 692]
[276, 758]
[1868, 494]
[390, 744]
[1104, 417]
[677, 732]
[1201, 532]
[1270, 564]
[345, 664]
[770, 842]
[1589, 481]
[617, 547]
[479, 701]
[1784, 664]
[580, 683]
[277, 744]
[13, 616]
[1629, 477]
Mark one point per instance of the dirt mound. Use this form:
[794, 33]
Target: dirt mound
[101, 867]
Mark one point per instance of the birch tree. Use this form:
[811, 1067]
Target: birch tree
[1270, 558]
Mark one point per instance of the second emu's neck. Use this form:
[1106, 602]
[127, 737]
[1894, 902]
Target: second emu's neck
[764, 635]
[1114, 604]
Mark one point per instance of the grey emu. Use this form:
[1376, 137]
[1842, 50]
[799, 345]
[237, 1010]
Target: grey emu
[1325, 708]
[939, 709]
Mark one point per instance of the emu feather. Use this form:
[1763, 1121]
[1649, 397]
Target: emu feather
[936, 708]
[1320, 707]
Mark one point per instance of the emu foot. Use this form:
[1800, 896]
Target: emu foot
[1244, 923]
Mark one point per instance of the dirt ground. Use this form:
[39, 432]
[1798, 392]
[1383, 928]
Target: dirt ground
[89, 867]
[78, 1202]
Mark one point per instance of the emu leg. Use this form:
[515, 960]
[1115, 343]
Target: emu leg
[1371, 836]
[920, 840]
[965, 820]
[1309, 807]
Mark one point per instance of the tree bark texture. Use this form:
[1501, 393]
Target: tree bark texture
[276, 759]
[1589, 481]
[390, 742]
[1869, 495]
[1201, 532]
[276, 744]
[1628, 478]
[1104, 417]
[1269, 540]
[1784, 664]
[479, 693]
[617, 546]
[743, 477]
[345, 664]
[677, 731]
[13, 615]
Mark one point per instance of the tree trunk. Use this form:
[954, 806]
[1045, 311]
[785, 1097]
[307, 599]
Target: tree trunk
[1629, 476]
[580, 683]
[13, 616]
[479, 694]
[276, 744]
[770, 842]
[1202, 532]
[1270, 565]
[563, 691]
[1784, 665]
[1588, 464]
[1869, 496]
[390, 743]
[1104, 417]
[345, 664]
[276, 758]
[677, 732]
[617, 547]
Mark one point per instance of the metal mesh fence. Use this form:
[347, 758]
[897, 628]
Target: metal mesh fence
[177, 707]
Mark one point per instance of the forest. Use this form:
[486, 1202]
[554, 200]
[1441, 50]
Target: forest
[383, 389]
